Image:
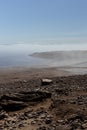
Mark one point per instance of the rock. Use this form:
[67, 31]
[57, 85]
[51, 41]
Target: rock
[75, 117]
[84, 126]
[33, 122]
[62, 91]
[46, 81]
[25, 81]
[1, 108]
[64, 127]
[48, 120]
[21, 125]
[3, 115]
[20, 100]
[29, 116]
[43, 116]
[60, 121]
[13, 105]
[42, 128]
[60, 112]
[35, 96]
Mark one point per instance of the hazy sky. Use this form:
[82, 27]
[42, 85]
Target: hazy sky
[53, 20]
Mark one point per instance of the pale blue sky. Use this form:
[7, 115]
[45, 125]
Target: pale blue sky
[39, 20]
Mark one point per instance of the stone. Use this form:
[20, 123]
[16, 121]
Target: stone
[84, 126]
[60, 121]
[21, 125]
[46, 81]
[43, 116]
[48, 120]
[13, 105]
[17, 101]
[33, 122]
[3, 115]
[75, 117]
[42, 128]
[1, 108]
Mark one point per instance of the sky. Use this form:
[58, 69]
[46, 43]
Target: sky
[60, 21]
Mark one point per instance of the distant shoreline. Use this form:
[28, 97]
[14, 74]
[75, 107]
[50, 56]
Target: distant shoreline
[57, 63]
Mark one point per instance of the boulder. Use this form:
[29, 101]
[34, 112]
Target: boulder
[46, 81]
[13, 105]
[17, 101]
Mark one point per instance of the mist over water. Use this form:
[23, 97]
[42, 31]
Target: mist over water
[14, 55]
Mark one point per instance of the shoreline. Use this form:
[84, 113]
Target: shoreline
[56, 63]
[12, 74]
[17, 74]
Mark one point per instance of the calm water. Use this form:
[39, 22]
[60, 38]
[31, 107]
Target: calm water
[14, 55]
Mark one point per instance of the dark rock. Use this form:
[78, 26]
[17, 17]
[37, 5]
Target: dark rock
[21, 125]
[35, 96]
[3, 115]
[73, 117]
[42, 128]
[1, 108]
[62, 91]
[48, 120]
[20, 100]
[13, 105]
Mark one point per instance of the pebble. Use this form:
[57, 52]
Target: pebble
[48, 121]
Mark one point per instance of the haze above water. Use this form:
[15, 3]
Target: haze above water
[15, 55]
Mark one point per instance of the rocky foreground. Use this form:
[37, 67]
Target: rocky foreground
[58, 103]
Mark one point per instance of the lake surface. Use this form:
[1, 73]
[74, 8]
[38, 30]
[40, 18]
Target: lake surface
[15, 55]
